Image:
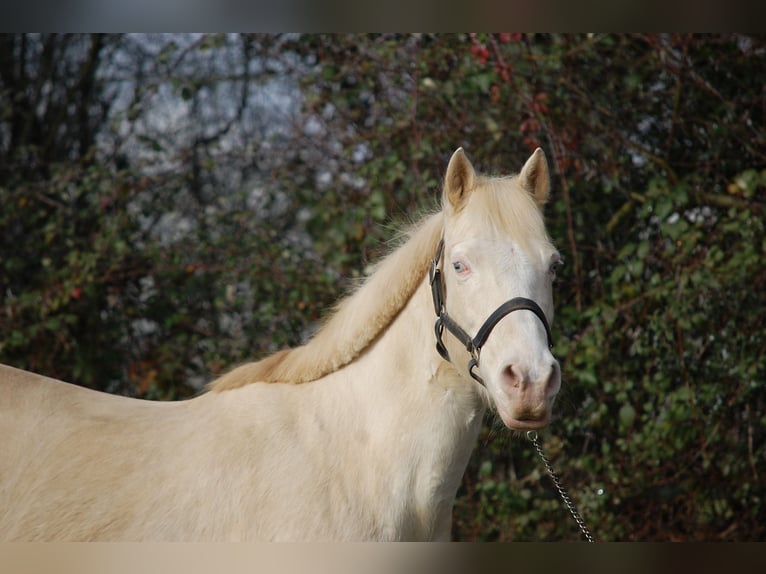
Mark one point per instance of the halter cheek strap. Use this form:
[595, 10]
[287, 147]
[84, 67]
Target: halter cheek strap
[473, 344]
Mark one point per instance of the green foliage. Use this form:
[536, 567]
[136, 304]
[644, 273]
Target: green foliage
[66, 246]
[678, 397]
[145, 263]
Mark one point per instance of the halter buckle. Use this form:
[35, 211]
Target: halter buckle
[437, 287]
[435, 278]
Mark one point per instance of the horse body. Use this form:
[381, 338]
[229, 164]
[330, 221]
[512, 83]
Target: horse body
[320, 461]
[371, 445]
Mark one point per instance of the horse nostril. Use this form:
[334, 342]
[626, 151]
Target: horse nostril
[519, 378]
[512, 377]
[553, 384]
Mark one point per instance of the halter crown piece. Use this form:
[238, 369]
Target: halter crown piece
[473, 345]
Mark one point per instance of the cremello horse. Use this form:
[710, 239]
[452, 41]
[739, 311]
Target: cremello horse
[363, 433]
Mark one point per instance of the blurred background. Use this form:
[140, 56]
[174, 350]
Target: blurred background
[173, 205]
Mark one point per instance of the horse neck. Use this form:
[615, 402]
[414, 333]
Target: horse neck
[428, 416]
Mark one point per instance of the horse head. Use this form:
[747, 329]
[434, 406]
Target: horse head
[494, 274]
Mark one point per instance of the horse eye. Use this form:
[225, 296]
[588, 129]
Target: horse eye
[556, 266]
[459, 267]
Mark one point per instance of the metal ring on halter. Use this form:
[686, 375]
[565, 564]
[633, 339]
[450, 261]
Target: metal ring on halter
[473, 363]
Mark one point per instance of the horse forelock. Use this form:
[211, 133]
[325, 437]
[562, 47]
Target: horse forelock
[503, 207]
[356, 321]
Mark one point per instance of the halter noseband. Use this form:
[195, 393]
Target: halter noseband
[473, 345]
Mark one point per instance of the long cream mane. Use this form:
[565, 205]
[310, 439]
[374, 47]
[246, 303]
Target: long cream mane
[361, 317]
[357, 321]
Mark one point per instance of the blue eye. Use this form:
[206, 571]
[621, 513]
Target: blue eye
[459, 267]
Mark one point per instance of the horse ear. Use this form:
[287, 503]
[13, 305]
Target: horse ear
[534, 177]
[459, 180]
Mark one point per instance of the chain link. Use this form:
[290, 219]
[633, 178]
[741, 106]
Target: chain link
[532, 437]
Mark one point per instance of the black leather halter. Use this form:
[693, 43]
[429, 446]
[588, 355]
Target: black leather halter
[473, 345]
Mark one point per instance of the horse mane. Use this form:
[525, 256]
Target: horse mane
[501, 204]
[357, 320]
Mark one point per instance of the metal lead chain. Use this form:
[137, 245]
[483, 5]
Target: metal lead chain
[532, 437]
